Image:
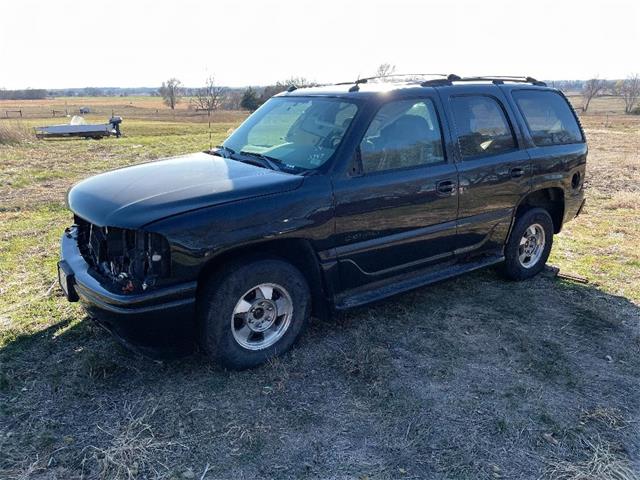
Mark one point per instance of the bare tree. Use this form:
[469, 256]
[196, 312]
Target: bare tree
[209, 97]
[591, 89]
[171, 92]
[385, 69]
[282, 85]
[298, 82]
[232, 100]
[629, 90]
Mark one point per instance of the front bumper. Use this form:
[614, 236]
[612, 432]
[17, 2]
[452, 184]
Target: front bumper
[160, 318]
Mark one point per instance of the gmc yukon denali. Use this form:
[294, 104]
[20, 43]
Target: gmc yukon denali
[325, 198]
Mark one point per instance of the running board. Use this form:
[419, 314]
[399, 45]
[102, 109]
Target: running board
[383, 289]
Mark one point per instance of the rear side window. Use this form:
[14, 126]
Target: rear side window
[404, 133]
[483, 128]
[548, 116]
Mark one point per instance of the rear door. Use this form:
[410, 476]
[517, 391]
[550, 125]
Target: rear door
[494, 168]
[558, 149]
[396, 210]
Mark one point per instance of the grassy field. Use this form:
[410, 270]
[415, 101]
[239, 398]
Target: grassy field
[149, 108]
[473, 378]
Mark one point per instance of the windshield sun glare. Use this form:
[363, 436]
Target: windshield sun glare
[302, 133]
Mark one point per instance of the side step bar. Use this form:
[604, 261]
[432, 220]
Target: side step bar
[388, 288]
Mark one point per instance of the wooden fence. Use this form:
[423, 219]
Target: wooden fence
[7, 112]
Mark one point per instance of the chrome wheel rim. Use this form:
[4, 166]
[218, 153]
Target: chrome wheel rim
[262, 316]
[531, 245]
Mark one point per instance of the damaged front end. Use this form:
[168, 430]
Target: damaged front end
[124, 260]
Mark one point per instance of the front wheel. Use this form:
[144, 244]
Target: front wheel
[253, 311]
[529, 244]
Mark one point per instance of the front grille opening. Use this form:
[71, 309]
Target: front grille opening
[130, 260]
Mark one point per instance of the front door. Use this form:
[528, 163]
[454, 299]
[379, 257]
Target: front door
[397, 213]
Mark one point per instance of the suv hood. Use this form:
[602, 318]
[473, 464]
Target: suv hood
[134, 196]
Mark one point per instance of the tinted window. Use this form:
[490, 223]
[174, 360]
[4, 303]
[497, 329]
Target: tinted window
[403, 134]
[482, 126]
[548, 116]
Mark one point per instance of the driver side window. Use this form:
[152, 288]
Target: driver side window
[404, 133]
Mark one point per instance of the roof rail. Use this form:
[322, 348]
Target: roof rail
[355, 84]
[452, 77]
[447, 79]
[366, 79]
[496, 79]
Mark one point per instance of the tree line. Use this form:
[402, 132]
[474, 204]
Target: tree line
[212, 97]
[26, 94]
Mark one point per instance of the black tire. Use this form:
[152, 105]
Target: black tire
[513, 267]
[226, 288]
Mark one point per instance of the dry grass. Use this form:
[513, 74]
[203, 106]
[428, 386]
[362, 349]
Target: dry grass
[601, 245]
[13, 133]
[475, 378]
[604, 462]
[135, 107]
[600, 106]
[132, 447]
[611, 417]
[624, 199]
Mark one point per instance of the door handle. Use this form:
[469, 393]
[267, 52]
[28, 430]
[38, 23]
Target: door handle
[517, 172]
[446, 187]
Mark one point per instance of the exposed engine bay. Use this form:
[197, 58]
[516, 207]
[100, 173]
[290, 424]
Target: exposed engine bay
[132, 260]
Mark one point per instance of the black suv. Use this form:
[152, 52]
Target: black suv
[324, 199]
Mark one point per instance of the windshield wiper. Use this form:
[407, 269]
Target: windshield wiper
[262, 160]
[222, 151]
[269, 162]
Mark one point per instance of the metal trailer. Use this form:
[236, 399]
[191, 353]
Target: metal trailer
[81, 130]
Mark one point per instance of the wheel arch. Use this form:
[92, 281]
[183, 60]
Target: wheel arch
[551, 199]
[299, 252]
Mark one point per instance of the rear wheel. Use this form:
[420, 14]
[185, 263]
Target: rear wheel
[253, 311]
[529, 244]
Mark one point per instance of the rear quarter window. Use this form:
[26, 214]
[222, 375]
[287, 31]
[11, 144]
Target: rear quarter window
[548, 116]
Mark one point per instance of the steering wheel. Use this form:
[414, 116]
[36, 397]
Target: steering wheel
[333, 138]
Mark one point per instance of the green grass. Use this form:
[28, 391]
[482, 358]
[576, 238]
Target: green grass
[34, 177]
[28, 256]
[39, 172]
[602, 247]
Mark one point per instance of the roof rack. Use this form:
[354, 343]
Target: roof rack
[355, 84]
[496, 79]
[445, 79]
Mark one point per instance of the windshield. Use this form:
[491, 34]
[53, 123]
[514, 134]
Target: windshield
[301, 133]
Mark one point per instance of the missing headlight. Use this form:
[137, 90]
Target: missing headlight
[132, 260]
